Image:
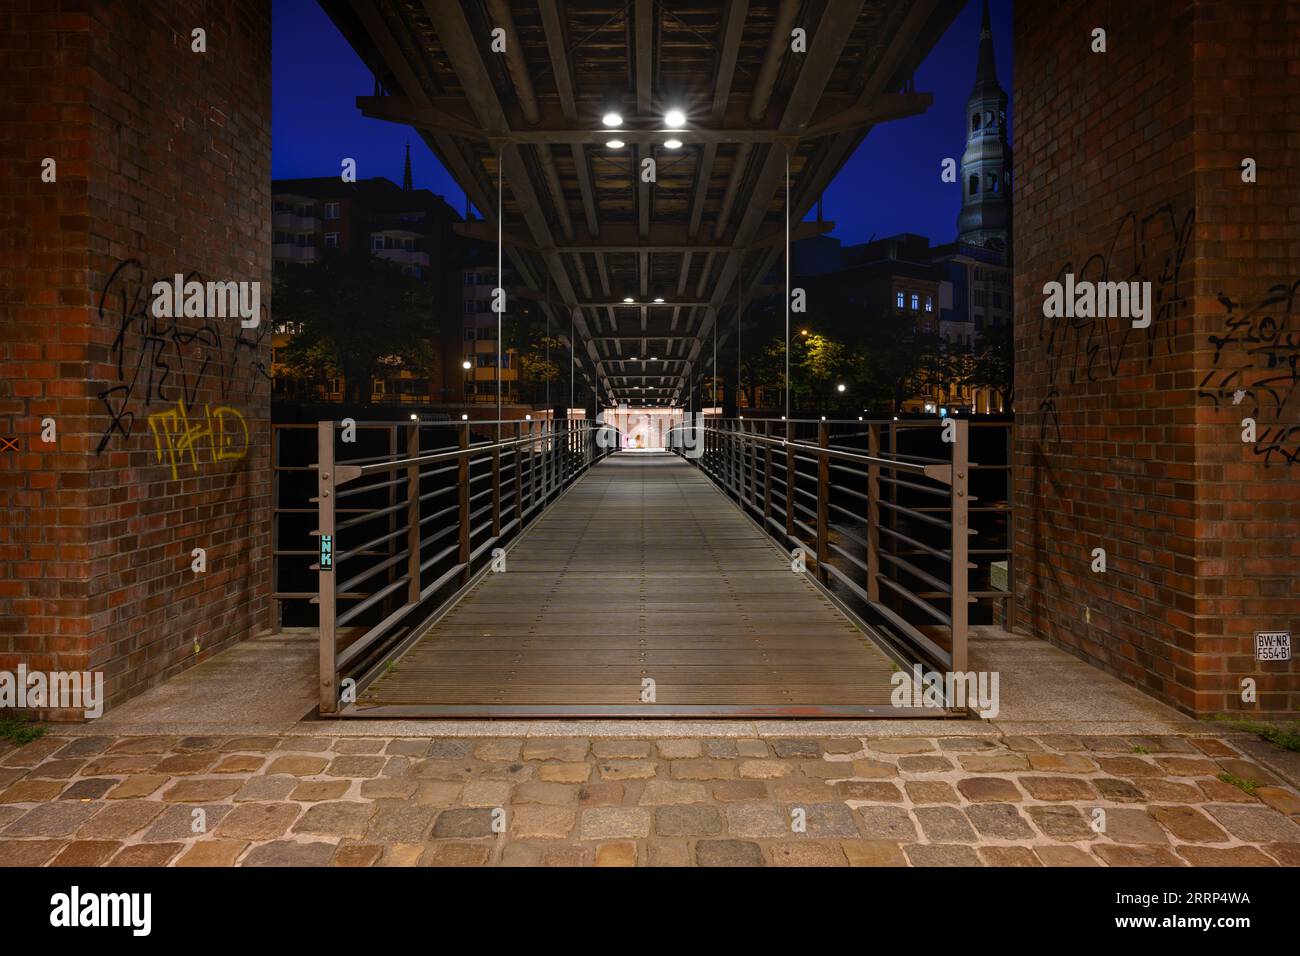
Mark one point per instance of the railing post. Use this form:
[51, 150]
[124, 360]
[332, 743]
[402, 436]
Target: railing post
[789, 485]
[329, 694]
[534, 453]
[462, 475]
[739, 458]
[412, 514]
[873, 515]
[823, 503]
[274, 604]
[496, 490]
[767, 473]
[732, 444]
[960, 543]
[1009, 624]
[519, 475]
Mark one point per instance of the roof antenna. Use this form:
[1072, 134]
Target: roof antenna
[406, 172]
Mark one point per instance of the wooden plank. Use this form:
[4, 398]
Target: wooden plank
[643, 570]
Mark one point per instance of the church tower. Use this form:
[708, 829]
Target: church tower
[985, 218]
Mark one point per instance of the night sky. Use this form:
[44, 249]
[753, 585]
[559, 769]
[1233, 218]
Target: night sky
[890, 185]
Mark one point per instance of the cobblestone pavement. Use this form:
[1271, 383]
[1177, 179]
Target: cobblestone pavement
[1049, 800]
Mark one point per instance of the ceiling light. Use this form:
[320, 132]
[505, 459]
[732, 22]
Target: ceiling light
[415, 418]
[464, 418]
[614, 144]
[659, 298]
[673, 144]
[675, 119]
[628, 299]
[612, 119]
[464, 364]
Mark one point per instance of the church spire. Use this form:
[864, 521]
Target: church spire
[985, 218]
[986, 74]
[406, 171]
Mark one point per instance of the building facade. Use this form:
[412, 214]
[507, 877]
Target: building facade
[480, 352]
[414, 228]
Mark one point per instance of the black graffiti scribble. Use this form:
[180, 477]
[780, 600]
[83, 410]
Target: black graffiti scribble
[1092, 348]
[1257, 369]
[157, 360]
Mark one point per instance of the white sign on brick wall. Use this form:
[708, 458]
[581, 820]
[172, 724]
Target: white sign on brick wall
[1272, 645]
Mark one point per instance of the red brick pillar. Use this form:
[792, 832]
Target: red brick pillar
[162, 166]
[1128, 168]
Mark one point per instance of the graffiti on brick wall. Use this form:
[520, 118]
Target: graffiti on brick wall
[159, 364]
[1144, 247]
[180, 437]
[1256, 369]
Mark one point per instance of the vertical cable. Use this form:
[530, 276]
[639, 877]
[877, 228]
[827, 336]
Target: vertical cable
[501, 285]
[739, 310]
[547, 310]
[787, 291]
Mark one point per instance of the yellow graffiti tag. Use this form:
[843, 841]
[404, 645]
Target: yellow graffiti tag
[222, 431]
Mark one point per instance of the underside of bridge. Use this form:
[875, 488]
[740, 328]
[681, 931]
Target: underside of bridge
[516, 95]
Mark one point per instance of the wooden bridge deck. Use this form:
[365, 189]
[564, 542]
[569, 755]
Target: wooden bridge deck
[643, 570]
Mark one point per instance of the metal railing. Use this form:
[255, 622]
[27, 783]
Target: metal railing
[881, 511]
[402, 535]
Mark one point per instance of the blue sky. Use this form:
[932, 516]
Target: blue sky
[890, 185]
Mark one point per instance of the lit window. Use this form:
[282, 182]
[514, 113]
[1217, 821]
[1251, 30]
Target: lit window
[898, 300]
[916, 301]
[929, 304]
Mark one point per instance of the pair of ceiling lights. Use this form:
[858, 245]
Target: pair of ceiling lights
[673, 119]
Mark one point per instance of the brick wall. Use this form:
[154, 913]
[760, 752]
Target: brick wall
[163, 425]
[1127, 168]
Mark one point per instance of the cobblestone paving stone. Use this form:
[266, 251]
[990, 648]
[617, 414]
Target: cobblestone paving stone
[1047, 800]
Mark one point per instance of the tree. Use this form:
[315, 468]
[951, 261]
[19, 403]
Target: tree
[358, 317]
[897, 360]
[993, 364]
[536, 369]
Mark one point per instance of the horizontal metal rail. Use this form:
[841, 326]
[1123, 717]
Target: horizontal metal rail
[413, 550]
[900, 539]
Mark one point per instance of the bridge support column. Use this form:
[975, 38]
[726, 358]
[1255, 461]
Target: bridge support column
[142, 466]
[1157, 469]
